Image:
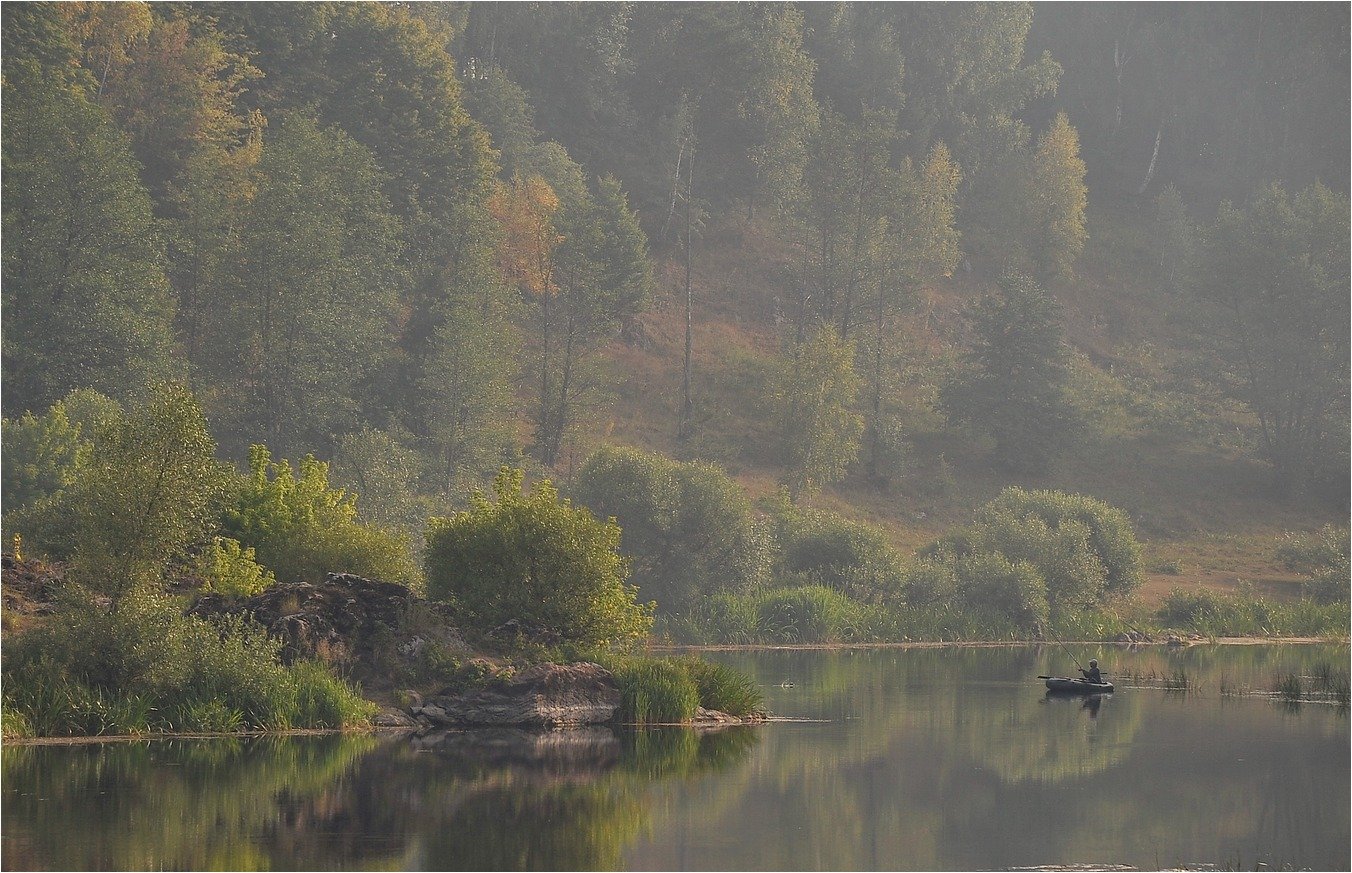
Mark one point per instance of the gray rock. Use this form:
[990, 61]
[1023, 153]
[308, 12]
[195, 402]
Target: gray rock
[393, 718]
[545, 695]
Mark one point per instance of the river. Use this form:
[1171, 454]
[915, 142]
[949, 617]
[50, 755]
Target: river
[931, 759]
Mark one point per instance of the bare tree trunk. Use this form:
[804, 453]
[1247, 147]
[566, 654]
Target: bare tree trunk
[675, 188]
[542, 420]
[875, 437]
[687, 404]
[1154, 157]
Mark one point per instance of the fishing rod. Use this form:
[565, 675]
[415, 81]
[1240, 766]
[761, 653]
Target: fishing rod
[1063, 646]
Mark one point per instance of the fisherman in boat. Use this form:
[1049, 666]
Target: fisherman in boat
[1093, 674]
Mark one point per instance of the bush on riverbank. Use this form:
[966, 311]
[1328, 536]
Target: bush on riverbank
[142, 666]
[539, 561]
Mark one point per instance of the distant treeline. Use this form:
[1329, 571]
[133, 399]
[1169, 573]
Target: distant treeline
[399, 236]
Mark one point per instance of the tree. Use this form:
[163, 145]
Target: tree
[469, 407]
[585, 262]
[815, 391]
[1175, 240]
[42, 456]
[177, 92]
[1059, 191]
[1216, 96]
[146, 493]
[302, 528]
[966, 79]
[825, 548]
[776, 105]
[1277, 276]
[387, 475]
[537, 559]
[85, 295]
[858, 55]
[850, 187]
[1013, 385]
[312, 288]
[108, 33]
[380, 75]
[919, 244]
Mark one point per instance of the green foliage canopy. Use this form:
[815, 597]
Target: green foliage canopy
[301, 528]
[146, 494]
[1027, 554]
[86, 299]
[538, 559]
[688, 529]
[1013, 386]
[815, 391]
[1277, 276]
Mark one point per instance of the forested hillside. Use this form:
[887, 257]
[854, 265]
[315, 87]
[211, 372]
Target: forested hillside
[789, 290]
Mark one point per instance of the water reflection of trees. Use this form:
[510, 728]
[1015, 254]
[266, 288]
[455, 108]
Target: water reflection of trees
[481, 800]
[932, 758]
[201, 804]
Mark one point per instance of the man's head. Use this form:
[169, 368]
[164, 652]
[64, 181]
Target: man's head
[1093, 662]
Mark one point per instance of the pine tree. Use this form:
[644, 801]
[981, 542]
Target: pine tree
[1013, 384]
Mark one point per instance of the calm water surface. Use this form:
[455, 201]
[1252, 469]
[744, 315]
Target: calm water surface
[923, 759]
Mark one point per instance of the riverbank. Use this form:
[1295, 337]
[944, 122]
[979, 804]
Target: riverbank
[991, 644]
[407, 666]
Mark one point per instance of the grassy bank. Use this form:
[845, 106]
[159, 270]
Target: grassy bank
[142, 667]
[816, 615]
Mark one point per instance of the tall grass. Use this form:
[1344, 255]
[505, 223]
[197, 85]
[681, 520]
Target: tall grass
[144, 667]
[670, 690]
[1219, 615]
[1322, 684]
[723, 688]
[655, 692]
[808, 614]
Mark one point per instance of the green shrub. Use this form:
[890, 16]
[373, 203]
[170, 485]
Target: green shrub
[1030, 553]
[41, 456]
[300, 528]
[1327, 585]
[848, 556]
[655, 692]
[723, 688]
[809, 614]
[539, 560]
[1217, 615]
[1107, 530]
[1193, 608]
[1327, 547]
[230, 569]
[1014, 590]
[143, 666]
[1324, 556]
[929, 583]
[687, 528]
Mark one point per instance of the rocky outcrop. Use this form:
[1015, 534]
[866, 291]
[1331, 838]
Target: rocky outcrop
[29, 589]
[355, 623]
[545, 695]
